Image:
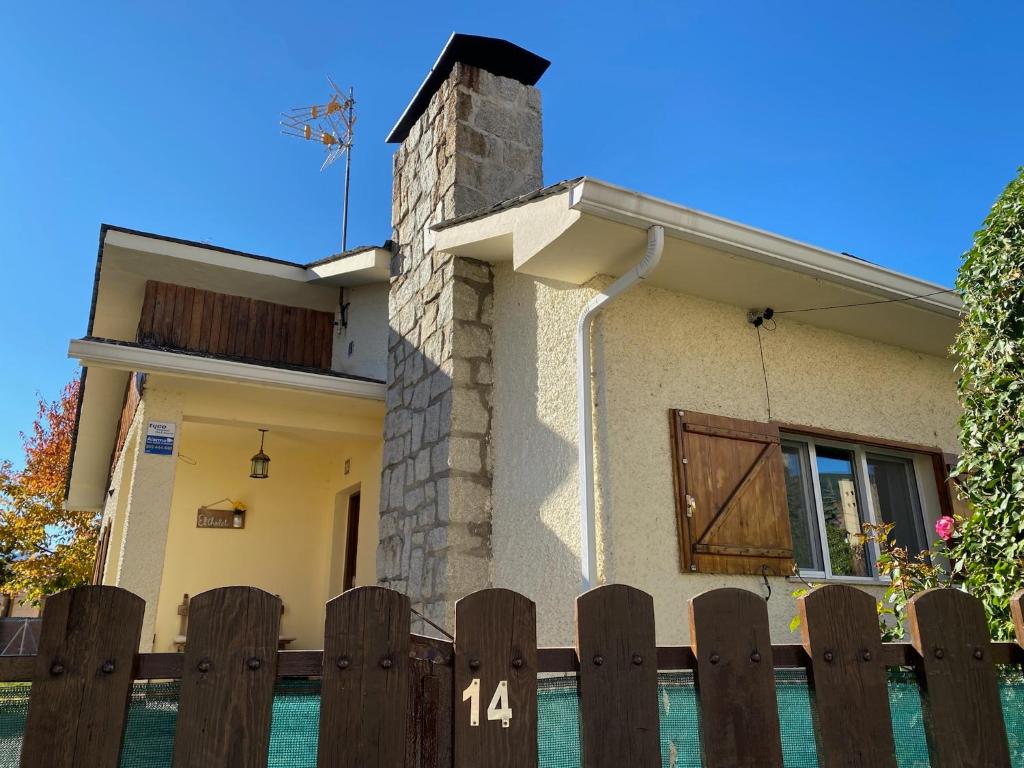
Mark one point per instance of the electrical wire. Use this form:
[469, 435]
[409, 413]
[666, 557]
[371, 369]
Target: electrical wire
[435, 626]
[865, 303]
[764, 370]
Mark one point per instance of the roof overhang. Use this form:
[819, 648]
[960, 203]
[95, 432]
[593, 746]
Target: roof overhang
[372, 265]
[124, 357]
[591, 228]
[128, 258]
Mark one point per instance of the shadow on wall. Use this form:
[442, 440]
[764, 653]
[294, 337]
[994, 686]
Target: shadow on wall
[536, 506]
[443, 533]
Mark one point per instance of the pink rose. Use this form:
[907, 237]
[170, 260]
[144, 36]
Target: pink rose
[944, 527]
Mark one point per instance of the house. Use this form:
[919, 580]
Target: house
[528, 386]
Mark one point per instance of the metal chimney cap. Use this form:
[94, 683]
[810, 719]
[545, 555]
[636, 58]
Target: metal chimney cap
[497, 56]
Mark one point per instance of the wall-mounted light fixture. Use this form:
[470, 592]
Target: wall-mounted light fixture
[260, 462]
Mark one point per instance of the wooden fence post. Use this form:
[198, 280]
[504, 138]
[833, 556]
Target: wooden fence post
[959, 688]
[848, 680]
[227, 684]
[495, 693]
[618, 678]
[364, 698]
[739, 713]
[1017, 612]
[82, 681]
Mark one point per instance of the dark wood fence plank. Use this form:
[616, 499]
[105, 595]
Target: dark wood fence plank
[429, 737]
[365, 691]
[618, 678]
[227, 685]
[495, 671]
[735, 680]
[959, 688]
[82, 678]
[848, 679]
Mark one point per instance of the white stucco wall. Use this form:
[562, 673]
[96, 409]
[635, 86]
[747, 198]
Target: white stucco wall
[361, 348]
[655, 350]
[147, 511]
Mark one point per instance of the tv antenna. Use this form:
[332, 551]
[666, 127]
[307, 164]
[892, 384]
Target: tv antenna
[333, 126]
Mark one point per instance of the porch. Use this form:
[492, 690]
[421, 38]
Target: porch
[170, 531]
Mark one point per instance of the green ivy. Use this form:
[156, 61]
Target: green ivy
[987, 555]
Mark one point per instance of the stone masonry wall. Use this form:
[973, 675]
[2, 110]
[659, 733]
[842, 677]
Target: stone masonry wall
[478, 143]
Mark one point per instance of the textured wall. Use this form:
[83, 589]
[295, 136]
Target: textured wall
[655, 350]
[140, 566]
[288, 546]
[478, 142]
[361, 348]
[116, 509]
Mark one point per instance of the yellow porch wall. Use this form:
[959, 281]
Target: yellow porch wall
[286, 545]
[655, 350]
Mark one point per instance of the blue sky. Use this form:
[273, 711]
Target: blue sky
[882, 129]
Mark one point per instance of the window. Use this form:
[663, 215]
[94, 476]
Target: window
[759, 498]
[832, 489]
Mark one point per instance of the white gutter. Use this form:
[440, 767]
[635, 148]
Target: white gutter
[130, 358]
[585, 399]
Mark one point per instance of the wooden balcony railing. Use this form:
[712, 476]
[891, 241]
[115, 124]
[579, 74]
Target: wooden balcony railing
[194, 320]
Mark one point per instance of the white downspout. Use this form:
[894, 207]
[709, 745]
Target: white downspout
[585, 399]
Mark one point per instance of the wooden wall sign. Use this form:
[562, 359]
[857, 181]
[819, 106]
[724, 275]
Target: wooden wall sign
[219, 518]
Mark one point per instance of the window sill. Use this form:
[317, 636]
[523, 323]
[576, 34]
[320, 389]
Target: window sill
[855, 581]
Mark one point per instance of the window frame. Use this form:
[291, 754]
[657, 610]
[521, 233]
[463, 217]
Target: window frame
[865, 501]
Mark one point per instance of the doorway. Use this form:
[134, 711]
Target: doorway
[351, 542]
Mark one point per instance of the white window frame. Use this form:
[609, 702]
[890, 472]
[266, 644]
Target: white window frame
[865, 501]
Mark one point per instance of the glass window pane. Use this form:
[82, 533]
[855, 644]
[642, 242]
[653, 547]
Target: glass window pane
[846, 546]
[803, 519]
[894, 492]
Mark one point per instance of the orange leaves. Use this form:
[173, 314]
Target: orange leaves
[49, 547]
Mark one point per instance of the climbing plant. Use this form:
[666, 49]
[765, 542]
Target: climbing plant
[987, 554]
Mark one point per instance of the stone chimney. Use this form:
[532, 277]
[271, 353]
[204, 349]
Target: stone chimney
[470, 138]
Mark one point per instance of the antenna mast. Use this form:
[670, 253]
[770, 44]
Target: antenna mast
[332, 125]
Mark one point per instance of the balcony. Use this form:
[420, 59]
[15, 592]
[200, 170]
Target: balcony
[221, 325]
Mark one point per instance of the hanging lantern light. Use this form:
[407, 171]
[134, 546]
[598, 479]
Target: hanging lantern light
[260, 462]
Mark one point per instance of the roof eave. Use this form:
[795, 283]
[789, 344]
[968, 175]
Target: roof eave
[128, 357]
[615, 203]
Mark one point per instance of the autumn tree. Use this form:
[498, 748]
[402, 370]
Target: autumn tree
[47, 548]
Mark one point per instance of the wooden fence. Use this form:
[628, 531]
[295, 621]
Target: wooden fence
[392, 699]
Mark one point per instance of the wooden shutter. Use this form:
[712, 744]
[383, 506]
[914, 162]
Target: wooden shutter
[730, 495]
[102, 546]
[945, 465]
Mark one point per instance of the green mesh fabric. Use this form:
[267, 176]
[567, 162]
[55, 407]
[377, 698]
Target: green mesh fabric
[149, 733]
[13, 708]
[558, 727]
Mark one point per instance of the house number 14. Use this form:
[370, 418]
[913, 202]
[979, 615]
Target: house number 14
[498, 709]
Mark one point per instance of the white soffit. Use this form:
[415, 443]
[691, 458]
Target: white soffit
[177, 250]
[102, 399]
[595, 228]
[363, 268]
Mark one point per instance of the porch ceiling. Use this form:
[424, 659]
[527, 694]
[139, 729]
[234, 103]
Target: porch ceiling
[214, 391]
